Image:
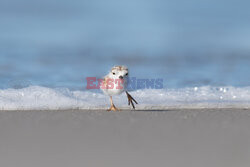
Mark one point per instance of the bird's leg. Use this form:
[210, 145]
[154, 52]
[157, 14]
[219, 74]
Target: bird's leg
[112, 106]
[130, 100]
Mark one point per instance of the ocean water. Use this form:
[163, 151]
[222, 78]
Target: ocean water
[48, 48]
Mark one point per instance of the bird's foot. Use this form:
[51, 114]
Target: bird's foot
[131, 100]
[113, 108]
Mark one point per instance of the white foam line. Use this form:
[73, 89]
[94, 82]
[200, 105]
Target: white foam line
[43, 98]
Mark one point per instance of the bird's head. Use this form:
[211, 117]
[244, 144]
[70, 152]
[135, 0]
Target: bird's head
[119, 72]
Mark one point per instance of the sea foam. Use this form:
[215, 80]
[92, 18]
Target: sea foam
[43, 98]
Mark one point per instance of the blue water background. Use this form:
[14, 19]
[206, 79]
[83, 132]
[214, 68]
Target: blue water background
[187, 43]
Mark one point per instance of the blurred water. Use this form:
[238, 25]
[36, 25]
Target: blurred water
[187, 43]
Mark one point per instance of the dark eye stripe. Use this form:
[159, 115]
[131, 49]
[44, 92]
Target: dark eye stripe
[113, 73]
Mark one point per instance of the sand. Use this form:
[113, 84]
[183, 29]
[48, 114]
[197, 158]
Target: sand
[174, 138]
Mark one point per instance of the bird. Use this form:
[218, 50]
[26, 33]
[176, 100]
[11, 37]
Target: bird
[115, 83]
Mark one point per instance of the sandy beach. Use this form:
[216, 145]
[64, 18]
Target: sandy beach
[190, 138]
[186, 63]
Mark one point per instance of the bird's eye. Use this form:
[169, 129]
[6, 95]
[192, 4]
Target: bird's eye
[113, 73]
[126, 73]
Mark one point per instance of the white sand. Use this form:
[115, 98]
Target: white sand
[175, 138]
